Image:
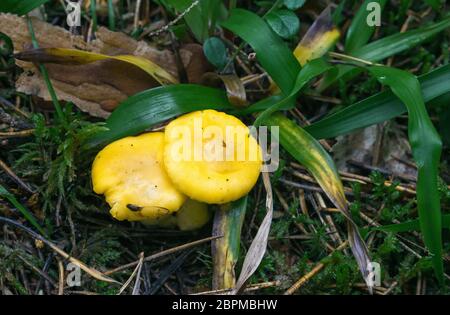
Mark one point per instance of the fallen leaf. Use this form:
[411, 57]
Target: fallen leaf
[96, 88]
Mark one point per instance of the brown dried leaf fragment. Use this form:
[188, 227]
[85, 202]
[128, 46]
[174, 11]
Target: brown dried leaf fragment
[96, 88]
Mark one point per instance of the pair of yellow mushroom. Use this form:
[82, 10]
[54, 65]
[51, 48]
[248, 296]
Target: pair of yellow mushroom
[167, 179]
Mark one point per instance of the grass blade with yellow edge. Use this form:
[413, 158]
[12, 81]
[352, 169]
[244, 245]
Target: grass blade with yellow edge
[308, 152]
[426, 148]
[320, 38]
[256, 32]
[74, 56]
[228, 223]
[360, 31]
[20, 7]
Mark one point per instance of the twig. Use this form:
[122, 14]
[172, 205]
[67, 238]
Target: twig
[91, 271]
[136, 270]
[17, 134]
[300, 282]
[61, 277]
[16, 178]
[163, 253]
[252, 287]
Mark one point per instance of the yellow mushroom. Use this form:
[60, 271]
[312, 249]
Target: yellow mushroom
[131, 175]
[191, 216]
[211, 157]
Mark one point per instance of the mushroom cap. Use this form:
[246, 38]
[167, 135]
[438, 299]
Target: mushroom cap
[130, 173]
[211, 157]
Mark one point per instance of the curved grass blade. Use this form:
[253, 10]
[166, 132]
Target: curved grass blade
[20, 7]
[74, 56]
[359, 32]
[384, 48]
[276, 60]
[271, 51]
[146, 109]
[378, 108]
[228, 222]
[308, 151]
[320, 37]
[426, 148]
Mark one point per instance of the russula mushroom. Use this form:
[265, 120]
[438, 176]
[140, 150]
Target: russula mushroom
[131, 175]
[211, 157]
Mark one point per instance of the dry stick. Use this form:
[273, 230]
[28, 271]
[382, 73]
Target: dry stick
[6, 103]
[92, 272]
[251, 287]
[137, 284]
[175, 21]
[300, 282]
[350, 177]
[17, 134]
[136, 270]
[329, 219]
[163, 253]
[392, 286]
[16, 178]
[42, 273]
[285, 206]
[61, 277]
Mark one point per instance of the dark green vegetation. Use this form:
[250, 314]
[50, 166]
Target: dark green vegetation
[45, 178]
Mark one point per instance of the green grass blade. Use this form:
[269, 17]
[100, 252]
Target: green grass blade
[426, 148]
[25, 212]
[378, 108]
[20, 7]
[386, 47]
[413, 225]
[359, 32]
[157, 105]
[227, 222]
[271, 51]
[308, 152]
[111, 16]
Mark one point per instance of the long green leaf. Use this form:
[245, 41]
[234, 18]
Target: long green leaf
[359, 32]
[271, 51]
[386, 47]
[378, 108]
[308, 152]
[20, 7]
[426, 148]
[146, 109]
